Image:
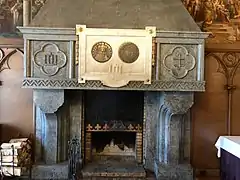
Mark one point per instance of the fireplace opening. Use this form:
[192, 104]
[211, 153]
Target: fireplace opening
[114, 125]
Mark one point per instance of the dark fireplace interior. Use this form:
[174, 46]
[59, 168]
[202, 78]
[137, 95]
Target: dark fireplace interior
[113, 124]
[104, 106]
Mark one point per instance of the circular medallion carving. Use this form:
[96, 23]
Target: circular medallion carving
[101, 52]
[128, 52]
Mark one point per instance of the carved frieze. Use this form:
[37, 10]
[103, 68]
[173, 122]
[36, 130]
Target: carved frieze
[178, 62]
[132, 85]
[50, 59]
[115, 56]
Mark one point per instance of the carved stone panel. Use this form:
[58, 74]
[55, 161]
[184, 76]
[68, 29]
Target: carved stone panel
[115, 56]
[178, 62]
[50, 59]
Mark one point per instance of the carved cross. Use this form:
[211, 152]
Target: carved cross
[89, 127]
[179, 60]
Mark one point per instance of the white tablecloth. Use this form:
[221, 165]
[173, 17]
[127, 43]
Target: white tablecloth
[230, 144]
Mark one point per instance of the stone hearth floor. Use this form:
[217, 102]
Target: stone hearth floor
[113, 169]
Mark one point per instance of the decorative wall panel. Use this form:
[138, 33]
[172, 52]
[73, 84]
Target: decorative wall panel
[50, 59]
[178, 62]
[115, 56]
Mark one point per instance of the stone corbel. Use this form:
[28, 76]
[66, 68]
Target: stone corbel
[177, 103]
[48, 100]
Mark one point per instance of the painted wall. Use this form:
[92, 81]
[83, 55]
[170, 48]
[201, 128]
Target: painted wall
[15, 102]
[215, 110]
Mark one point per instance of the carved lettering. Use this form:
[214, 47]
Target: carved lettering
[116, 69]
[50, 59]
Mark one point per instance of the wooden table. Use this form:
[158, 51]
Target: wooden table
[229, 154]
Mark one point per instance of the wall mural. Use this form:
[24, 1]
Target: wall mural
[11, 15]
[221, 17]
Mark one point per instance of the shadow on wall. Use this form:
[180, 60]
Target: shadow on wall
[9, 131]
[16, 105]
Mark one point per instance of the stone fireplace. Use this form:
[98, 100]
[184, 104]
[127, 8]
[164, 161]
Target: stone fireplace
[121, 88]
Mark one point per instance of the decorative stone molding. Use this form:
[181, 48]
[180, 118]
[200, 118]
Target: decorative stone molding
[41, 83]
[48, 100]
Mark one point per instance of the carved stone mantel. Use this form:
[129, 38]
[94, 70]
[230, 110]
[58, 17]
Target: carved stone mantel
[178, 61]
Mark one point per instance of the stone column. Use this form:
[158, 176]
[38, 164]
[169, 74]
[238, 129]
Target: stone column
[169, 160]
[47, 124]
[26, 12]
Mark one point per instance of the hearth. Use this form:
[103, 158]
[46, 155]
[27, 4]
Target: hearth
[119, 84]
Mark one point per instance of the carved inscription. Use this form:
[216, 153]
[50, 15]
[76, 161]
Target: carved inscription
[101, 52]
[50, 59]
[115, 69]
[179, 62]
[128, 52]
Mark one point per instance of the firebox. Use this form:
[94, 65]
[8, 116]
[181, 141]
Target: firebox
[113, 125]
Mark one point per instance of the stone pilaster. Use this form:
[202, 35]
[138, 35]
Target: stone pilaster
[170, 156]
[47, 123]
[151, 111]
